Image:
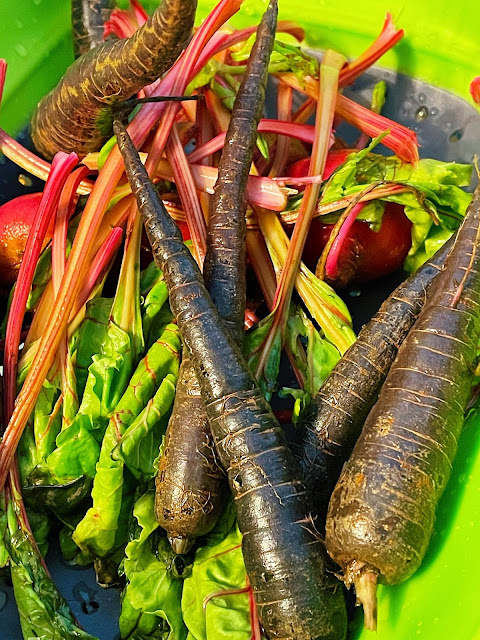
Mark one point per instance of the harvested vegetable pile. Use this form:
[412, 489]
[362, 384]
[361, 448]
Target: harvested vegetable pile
[138, 368]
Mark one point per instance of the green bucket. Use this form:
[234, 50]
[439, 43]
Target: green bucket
[442, 47]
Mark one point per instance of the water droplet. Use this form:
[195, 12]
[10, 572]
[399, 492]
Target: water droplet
[355, 293]
[422, 97]
[434, 111]
[37, 2]
[456, 135]
[421, 114]
[24, 180]
[20, 49]
[18, 23]
[3, 599]
[448, 125]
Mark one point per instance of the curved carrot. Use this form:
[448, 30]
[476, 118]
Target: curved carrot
[382, 511]
[88, 18]
[333, 422]
[77, 114]
[284, 557]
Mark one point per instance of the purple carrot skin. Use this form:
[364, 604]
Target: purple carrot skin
[332, 423]
[382, 510]
[190, 488]
[272, 504]
[77, 114]
[224, 268]
[88, 18]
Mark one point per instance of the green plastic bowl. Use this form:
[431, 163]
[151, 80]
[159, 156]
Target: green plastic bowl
[441, 46]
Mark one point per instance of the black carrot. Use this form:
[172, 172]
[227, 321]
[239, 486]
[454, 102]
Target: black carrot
[77, 114]
[88, 18]
[334, 420]
[296, 597]
[190, 488]
[382, 510]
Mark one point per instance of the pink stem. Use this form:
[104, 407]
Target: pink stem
[62, 165]
[400, 139]
[175, 83]
[66, 207]
[387, 39]
[27, 160]
[331, 264]
[284, 113]
[259, 188]
[303, 132]
[186, 186]
[3, 73]
[102, 261]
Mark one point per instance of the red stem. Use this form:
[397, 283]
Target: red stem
[331, 264]
[387, 39]
[303, 132]
[66, 207]
[102, 261]
[185, 183]
[62, 165]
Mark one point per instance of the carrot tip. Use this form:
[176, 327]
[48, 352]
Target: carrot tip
[366, 590]
[179, 544]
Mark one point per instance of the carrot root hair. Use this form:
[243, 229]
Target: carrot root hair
[366, 590]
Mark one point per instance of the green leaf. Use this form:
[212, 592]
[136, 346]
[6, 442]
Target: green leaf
[321, 355]
[41, 525]
[266, 372]
[77, 451]
[97, 532]
[138, 448]
[218, 566]
[152, 588]
[44, 613]
[92, 337]
[262, 146]
[148, 277]
[155, 312]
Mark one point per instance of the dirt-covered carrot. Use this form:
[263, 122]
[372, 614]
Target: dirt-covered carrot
[88, 18]
[333, 422]
[295, 595]
[382, 510]
[77, 114]
[191, 488]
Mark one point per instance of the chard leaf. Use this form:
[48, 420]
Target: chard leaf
[138, 448]
[98, 532]
[76, 453]
[92, 337]
[265, 372]
[155, 312]
[321, 357]
[218, 566]
[44, 613]
[151, 599]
